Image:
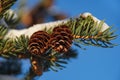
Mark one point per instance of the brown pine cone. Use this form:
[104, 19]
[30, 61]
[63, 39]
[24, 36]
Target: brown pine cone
[39, 43]
[37, 66]
[61, 38]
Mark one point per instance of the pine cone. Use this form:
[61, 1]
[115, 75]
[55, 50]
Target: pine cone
[61, 38]
[38, 43]
[37, 66]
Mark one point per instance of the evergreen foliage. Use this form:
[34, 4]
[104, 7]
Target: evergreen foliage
[5, 5]
[88, 32]
[84, 31]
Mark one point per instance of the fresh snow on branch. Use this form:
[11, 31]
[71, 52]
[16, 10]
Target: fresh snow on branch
[13, 33]
[29, 31]
[105, 26]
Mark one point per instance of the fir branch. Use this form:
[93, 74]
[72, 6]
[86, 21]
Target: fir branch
[21, 46]
[49, 27]
[7, 48]
[13, 48]
[3, 31]
[89, 32]
[5, 5]
[11, 18]
[86, 30]
[4, 43]
[56, 61]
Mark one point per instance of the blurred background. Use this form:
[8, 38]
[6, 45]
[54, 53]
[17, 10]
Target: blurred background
[92, 64]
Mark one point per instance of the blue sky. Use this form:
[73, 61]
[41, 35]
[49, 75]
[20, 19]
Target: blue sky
[94, 63]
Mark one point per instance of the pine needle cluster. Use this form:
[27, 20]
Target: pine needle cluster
[88, 32]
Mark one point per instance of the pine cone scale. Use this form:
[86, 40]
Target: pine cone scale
[61, 38]
[39, 43]
[37, 66]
